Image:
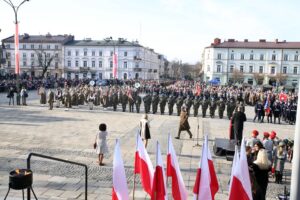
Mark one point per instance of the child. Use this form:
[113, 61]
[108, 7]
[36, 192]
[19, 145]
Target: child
[101, 144]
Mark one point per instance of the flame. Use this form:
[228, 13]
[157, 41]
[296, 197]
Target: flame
[17, 171]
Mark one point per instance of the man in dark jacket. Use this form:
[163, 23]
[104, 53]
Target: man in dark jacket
[238, 120]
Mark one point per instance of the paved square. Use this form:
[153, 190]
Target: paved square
[69, 134]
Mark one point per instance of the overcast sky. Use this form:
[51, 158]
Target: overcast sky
[179, 29]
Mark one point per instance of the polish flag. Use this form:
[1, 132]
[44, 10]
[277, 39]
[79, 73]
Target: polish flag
[115, 65]
[143, 165]
[205, 173]
[240, 184]
[119, 190]
[179, 191]
[235, 163]
[17, 56]
[159, 189]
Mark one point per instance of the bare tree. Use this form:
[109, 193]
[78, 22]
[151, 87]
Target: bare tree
[258, 78]
[176, 68]
[237, 76]
[280, 78]
[44, 60]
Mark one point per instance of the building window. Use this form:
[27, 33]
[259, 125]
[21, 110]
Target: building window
[251, 56]
[261, 69]
[48, 55]
[85, 53]
[296, 58]
[56, 55]
[8, 63]
[111, 53]
[285, 57]
[100, 54]
[284, 70]
[218, 68]
[261, 57]
[32, 55]
[48, 47]
[242, 56]
[125, 54]
[273, 56]
[56, 46]
[24, 63]
[232, 56]
[76, 63]
[32, 63]
[7, 46]
[100, 64]
[231, 68]
[24, 46]
[100, 76]
[250, 69]
[125, 65]
[56, 64]
[69, 63]
[76, 53]
[272, 70]
[295, 70]
[110, 75]
[8, 55]
[93, 53]
[32, 46]
[24, 55]
[93, 64]
[111, 64]
[219, 56]
[85, 63]
[69, 53]
[241, 68]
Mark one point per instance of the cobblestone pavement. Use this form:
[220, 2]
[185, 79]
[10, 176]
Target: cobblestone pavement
[69, 134]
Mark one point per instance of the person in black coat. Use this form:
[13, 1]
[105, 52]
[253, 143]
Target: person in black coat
[238, 120]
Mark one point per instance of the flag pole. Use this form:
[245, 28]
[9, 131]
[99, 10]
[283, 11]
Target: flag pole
[295, 192]
[134, 176]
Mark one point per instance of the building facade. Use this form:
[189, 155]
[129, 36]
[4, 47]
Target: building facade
[33, 46]
[94, 59]
[86, 58]
[260, 62]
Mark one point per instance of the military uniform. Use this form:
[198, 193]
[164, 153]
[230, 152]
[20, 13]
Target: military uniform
[230, 107]
[124, 101]
[179, 102]
[115, 100]
[50, 99]
[138, 101]
[276, 112]
[196, 105]
[155, 101]
[212, 107]
[147, 102]
[171, 102]
[221, 108]
[162, 103]
[188, 102]
[205, 104]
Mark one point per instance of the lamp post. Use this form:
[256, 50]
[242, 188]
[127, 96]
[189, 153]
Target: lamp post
[17, 57]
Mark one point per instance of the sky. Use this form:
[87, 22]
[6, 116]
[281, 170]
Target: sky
[178, 29]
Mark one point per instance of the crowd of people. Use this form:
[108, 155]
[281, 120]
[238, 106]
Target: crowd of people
[266, 157]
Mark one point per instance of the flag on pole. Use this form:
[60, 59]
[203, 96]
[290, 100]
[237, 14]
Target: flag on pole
[115, 65]
[205, 173]
[235, 163]
[119, 190]
[179, 191]
[143, 165]
[17, 56]
[159, 189]
[240, 184]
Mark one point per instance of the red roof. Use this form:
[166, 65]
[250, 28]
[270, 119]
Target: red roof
[256, 45]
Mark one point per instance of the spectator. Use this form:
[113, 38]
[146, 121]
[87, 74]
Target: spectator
[145, 129]
[11, 95]
[238, 120]
[101, 144]
[268, 145]
[24, 95]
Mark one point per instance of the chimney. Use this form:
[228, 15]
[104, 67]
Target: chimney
[245, 40]
[276, 40]
[231, 40]
[262, 40]
[217, 41]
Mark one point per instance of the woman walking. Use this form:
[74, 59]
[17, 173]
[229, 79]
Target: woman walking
[101, 144]
[145, 129]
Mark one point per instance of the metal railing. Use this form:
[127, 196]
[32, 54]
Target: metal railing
[60, 160]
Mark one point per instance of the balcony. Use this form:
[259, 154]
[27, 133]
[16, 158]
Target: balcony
[137, 58]
[84, 69]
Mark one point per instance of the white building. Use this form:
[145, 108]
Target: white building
[269, 60]
[94, 59]
[30, 46]
[83, 58]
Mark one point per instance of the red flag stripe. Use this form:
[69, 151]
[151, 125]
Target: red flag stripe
[141, 167]
[237, 191]
[176, 193]
[214, 186]
[197, 182]
[158, 191]
[114, 195]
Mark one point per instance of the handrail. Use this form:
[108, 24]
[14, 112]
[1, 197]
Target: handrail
[60, 160]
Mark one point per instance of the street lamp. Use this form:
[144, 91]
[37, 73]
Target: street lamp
[17, 57]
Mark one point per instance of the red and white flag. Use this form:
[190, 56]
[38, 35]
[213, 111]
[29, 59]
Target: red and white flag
[17, 56]
[240, 184]
[159, 189]
[115, 65]
[206, 174]
[120, 189]
[179, 191]
[235, 163]
[143, 165]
